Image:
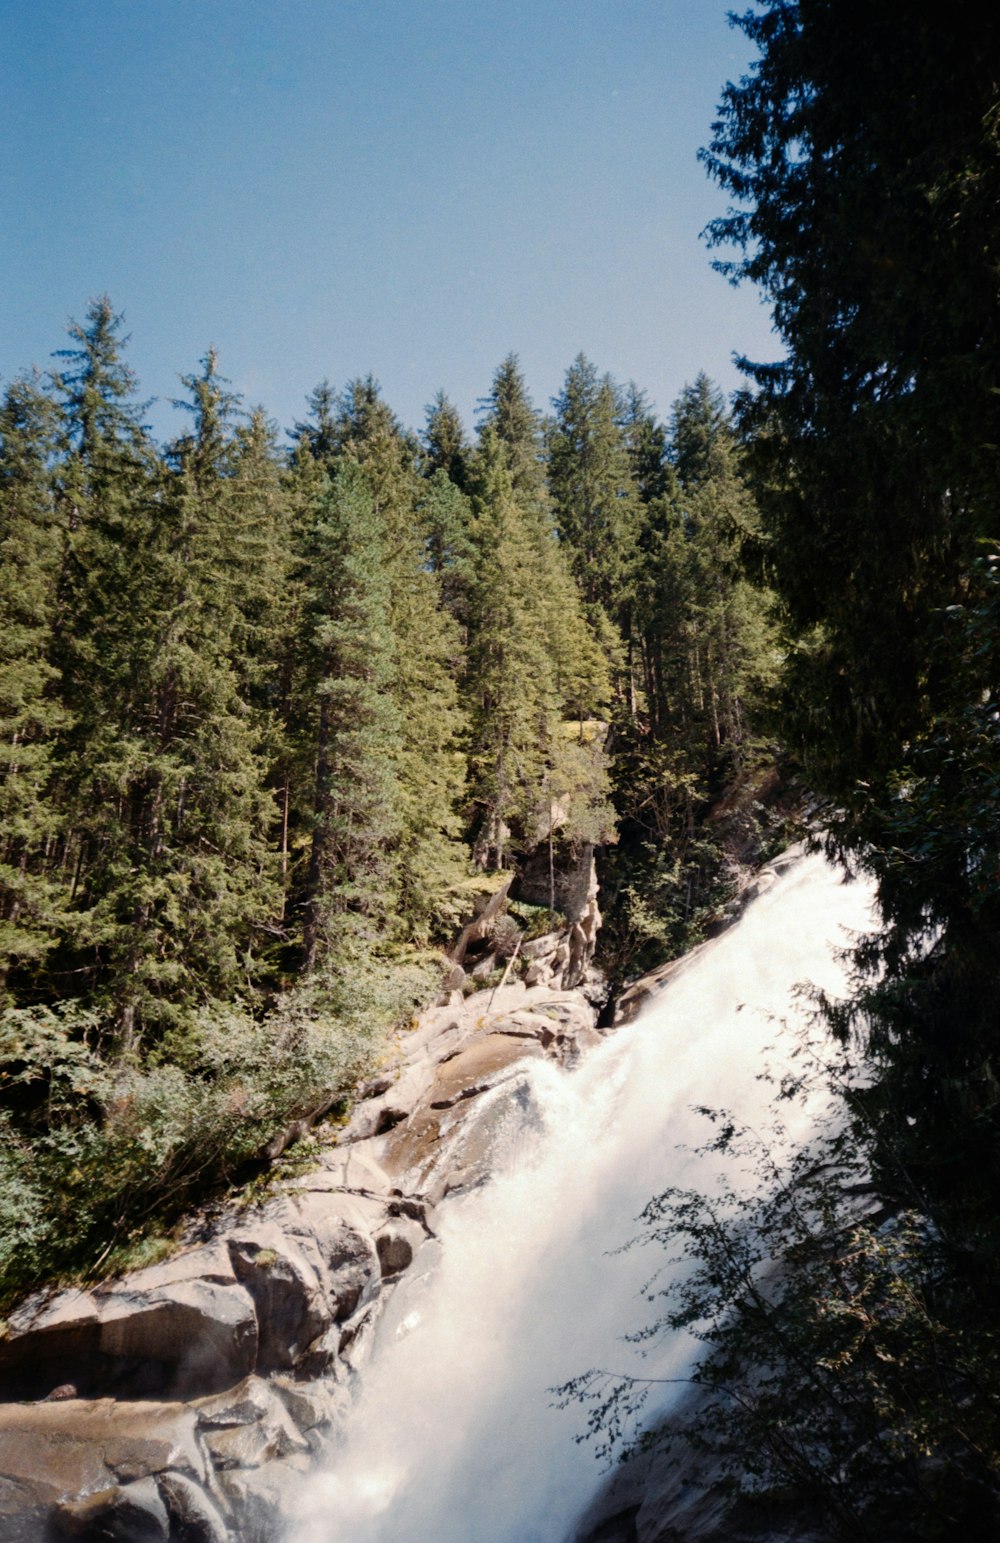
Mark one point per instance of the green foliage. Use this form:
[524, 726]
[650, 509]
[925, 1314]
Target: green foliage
[658, 896]
[31, 716]
[861, 153]
[511, 416]
[521, 667]
[446, 521]
[876, 458]
[445, 447]
[703, 661]
[534, 921]
[830, 1367]
[255, 709]
[95, 1151]
[355, 728]
[876, 435]
[427, 759]
[176, 816]
[590, 476]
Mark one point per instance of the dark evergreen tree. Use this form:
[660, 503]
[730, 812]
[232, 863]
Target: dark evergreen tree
[510, 413]
[170, 813]
[646, 441]
[445, 520]
[863, 156]
[511, 680]
[703, 661]
[291, 734]
[258, 556]
[876, 450]
[352, 881]
[533, 664]
[319, 430]
[429, 765]
[197, 818]
[593, 493]
[700, 433]
[444, 444]
[110, 495]
[32, 894]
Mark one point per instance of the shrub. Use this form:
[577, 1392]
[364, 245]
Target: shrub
[93, 1154]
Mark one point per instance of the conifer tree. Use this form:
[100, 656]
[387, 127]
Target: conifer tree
[259, 555]
[429, 764]
[445, 519]
[224, 564]
[352, 880]
[319, 430]
[31, 715]
[290, 731]
[573, 678]
[592, 487]
[535, 672]
[172, 814]
[510, 413]
[580, 644]
[701, 437]
[646, 442]
[705, 641]
[109, 491]
[444, 443]
[876, 449]
[512, 687]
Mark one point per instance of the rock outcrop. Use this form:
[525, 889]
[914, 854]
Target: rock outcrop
[183, 1403]
[661, 1497]
[187, 1399]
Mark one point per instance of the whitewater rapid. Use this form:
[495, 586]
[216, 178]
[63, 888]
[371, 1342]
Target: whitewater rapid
[455, 1437]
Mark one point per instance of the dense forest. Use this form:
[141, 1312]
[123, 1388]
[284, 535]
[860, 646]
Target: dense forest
[862, 157]
[273, 714]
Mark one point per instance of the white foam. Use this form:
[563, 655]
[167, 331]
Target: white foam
[455, 1438]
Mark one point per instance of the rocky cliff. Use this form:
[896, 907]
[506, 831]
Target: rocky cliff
[181, 1401]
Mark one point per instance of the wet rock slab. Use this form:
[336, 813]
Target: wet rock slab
[231, 1362]
[89, 1468]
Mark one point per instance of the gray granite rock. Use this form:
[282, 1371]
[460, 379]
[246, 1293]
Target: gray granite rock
[125, 1513]
[194, 1517]
[262, 1498]
[244, 1325]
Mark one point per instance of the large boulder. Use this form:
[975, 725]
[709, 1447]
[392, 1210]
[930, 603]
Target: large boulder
[185, 1326]
[262, 1499]
[50, 1341]
[426, 1153]
[247, 1426]
[195, 1517]
[188, 1337]
[574, 879]
[52, 1454]
[335, 1231]
[319, 1405]
[287, 1292]
[104, 1471]
[125, 1513]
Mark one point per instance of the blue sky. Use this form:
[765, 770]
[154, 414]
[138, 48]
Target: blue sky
[411, 188]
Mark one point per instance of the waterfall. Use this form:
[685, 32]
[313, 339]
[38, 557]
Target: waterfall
[455, 1437]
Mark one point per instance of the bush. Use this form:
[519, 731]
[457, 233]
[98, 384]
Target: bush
[838, 1368]
[93, 1154]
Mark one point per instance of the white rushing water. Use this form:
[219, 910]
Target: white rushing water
[455, 1438]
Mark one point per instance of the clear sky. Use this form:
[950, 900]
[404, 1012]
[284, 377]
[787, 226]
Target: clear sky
[411, 188]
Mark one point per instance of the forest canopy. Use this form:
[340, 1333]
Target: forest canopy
[272, 711]
[848, 1304]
